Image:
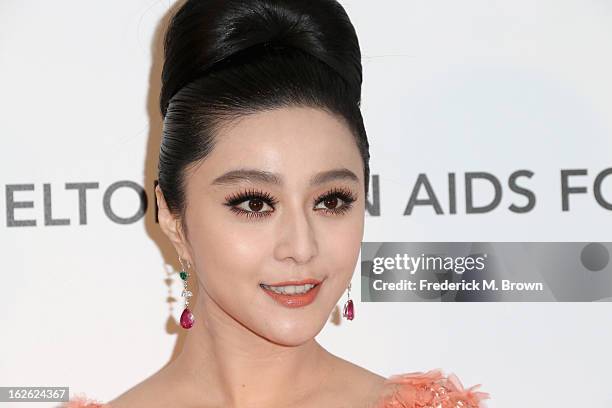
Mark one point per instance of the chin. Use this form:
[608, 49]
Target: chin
[292, 340]
[293, 334]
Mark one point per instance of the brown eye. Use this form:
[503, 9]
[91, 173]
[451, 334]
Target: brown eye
[331, 202]
[336, 201]
[252, 205]
[255, 204]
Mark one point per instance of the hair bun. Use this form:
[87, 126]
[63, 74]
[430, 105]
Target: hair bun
[204, 33]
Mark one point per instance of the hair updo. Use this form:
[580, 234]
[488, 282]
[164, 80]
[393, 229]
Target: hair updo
[229, 58]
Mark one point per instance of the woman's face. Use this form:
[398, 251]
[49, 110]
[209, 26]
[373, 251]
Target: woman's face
[296, 229]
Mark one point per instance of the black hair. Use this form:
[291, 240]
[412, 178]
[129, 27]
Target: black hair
[229, 58]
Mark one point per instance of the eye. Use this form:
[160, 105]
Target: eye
[251, 203]
[333, 198]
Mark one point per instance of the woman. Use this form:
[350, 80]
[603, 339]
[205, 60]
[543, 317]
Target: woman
[263, 176]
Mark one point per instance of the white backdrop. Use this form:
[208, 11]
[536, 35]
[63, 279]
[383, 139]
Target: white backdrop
[449, 87]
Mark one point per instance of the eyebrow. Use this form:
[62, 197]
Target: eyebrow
[255, 175]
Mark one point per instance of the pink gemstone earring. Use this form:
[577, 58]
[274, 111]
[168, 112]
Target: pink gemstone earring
[187, 318]
[349, 311]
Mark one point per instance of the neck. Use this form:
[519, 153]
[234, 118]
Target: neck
[223, 363]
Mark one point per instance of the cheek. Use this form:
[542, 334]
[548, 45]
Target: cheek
[340, 247]
[228, 252]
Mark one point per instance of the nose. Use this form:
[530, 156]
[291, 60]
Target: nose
[296, 235]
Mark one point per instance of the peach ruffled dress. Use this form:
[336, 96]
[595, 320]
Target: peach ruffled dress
[410, 390]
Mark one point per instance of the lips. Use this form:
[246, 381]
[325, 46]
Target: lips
[296, 283]
[296, 299]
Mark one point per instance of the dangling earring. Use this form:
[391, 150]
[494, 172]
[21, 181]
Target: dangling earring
[187, 318]
[349, 311]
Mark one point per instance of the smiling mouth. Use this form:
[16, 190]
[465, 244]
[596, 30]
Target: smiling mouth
[292, 295]
[290, 290]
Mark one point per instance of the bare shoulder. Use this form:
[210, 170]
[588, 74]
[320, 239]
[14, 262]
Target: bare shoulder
[140, 395]
[149, 393]
[360, 382]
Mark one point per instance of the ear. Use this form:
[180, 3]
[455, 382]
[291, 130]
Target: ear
[171, 226]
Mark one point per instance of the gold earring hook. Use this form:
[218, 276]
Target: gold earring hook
[183, 265]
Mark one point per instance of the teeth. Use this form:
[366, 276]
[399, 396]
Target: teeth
[290, 289]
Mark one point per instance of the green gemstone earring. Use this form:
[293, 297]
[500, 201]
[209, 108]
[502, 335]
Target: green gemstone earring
[187, 318]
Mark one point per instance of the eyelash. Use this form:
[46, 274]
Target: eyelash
[345, 195]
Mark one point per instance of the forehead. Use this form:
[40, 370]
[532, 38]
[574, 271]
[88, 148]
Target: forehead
[298, 144]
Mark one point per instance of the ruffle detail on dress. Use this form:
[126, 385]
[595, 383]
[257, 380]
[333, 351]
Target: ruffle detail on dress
[430, 389]
[82, 401]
